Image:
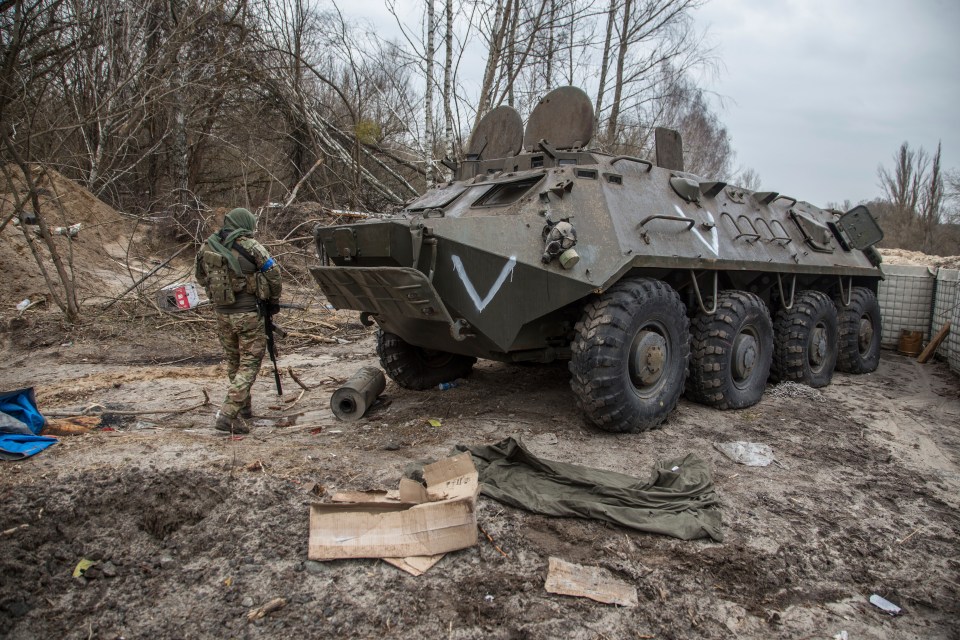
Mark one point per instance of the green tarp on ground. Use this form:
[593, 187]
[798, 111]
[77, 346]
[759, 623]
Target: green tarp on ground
[678, 501]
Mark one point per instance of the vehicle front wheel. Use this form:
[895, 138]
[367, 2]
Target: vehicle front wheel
[731, 352]
[629, 355]
[417, 368]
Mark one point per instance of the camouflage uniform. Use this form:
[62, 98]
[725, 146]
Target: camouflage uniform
[240, 325]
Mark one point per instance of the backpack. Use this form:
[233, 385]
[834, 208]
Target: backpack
[223, 283]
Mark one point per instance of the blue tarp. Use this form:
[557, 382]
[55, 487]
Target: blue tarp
[20, 422]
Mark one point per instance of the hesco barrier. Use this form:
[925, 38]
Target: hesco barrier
[921, 299]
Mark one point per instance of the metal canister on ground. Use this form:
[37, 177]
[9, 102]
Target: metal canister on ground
[352, 400]
[910, 343]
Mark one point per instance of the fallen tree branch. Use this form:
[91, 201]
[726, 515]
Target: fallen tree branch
[310, 336]
[300, 382]
[103, 410]
[495, 546]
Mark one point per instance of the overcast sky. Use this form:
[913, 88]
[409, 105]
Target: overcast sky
[817, 93]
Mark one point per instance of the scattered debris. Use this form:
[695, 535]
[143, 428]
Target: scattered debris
[751, 454]
[73, 426]
[569, 579]
[315, 488]
[910, 535]
[425, 521]
[885, 605]
[351, 401]
[256, 465]
[261, 612]
[12, 530]
[82, 567]
[180, 296]
[495, 545]
[790, 389]
[296, 378]
[71, 232]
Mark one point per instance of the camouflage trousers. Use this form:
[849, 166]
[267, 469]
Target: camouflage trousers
[244, 342]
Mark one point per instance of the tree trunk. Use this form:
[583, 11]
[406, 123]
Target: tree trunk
[448, 84]
[618, 80]
[494, 54]
[605, 60]
[428, 100]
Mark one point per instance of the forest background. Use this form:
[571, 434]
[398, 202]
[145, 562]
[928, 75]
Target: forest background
[169, 109]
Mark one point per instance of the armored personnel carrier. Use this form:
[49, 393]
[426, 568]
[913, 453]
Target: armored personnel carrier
[649, 280]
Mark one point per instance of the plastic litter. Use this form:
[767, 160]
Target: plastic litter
[82, 567]
[885, 605]
[751, 454]
[443, 386]
[23, 304]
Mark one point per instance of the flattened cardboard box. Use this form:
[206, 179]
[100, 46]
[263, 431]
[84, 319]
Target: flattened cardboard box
[422, 523]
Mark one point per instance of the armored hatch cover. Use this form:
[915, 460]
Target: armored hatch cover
[564, 118]
[499, 134]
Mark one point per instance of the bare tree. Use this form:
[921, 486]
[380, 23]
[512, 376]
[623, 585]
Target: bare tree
[915, 194]
[931, 202]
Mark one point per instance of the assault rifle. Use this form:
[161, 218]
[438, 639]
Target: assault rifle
[265, 310]
[263, 306]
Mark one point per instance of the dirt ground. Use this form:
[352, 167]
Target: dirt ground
[191, 529]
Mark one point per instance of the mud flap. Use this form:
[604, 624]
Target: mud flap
[391, 291]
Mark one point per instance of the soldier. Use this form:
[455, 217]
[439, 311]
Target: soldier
[237, 272]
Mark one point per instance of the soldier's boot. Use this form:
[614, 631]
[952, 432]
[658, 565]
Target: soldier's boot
[230, 425]
[246, 412]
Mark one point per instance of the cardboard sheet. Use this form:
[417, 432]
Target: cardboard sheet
[384, 528]
[569, 579]
[415, 565]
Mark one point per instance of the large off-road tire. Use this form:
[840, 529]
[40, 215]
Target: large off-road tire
[805, 340]
[858, 350]
[629, 355]
[418, 368]
[731, 352]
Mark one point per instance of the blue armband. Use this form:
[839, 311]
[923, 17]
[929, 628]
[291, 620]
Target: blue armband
[266, 265]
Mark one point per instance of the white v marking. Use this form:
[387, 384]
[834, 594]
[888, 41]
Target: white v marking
[472, 291]
[714, 244]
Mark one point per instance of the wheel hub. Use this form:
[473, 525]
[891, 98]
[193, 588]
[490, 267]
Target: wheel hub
[818, 346]
[649, 356]
[865, 335]
[744, 355]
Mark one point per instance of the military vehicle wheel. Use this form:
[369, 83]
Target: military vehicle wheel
[418, 368]
[805, 340]
[629, 356]
[731, 352]
[859, 344]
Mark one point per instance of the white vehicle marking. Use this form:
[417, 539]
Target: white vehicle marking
[714, 244]
[472, 291]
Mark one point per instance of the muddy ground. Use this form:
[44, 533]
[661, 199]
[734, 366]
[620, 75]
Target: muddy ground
[192, 529]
